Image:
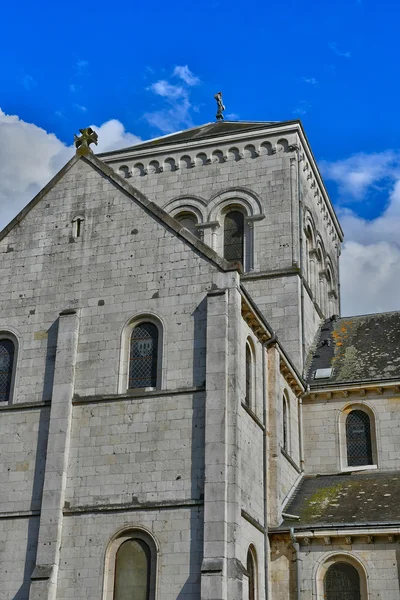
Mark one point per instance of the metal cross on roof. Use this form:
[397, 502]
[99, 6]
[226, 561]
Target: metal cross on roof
[82, 142]
[219, 116]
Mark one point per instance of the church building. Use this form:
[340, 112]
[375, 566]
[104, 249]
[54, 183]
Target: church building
[184, 414]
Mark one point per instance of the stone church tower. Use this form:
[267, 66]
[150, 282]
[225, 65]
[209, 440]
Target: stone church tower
[161, 315]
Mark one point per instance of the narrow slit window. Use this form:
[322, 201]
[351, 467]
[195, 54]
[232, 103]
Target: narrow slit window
[251, 573]
[77, 227]
[7, 352]
[285, 425]
[249, 368]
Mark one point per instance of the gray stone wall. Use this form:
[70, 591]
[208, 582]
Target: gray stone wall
[324, 431]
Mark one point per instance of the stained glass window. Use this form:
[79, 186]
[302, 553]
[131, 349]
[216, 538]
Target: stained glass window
[342, 582]
[234, 236]
[7, 351]
[251, 573]
[358, 438]
[132, 571]
[143, 356]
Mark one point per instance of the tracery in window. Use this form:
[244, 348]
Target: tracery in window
[234, 236]
[132, 571]
[143, 356]
[342, 582]
[7, 355]
[358, 439]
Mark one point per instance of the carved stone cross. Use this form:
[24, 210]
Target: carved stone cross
[82, 142]
[219, 116]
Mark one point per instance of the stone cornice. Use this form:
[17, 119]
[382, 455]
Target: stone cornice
[351, 390]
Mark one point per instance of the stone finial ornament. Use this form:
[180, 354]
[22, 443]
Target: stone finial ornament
[82, 142]
[219, 116]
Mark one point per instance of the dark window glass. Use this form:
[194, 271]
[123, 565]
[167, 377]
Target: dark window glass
[251, 572]
[143, 356]
[248, 375]
[234, 236]
[358, 437]
[6, 368]
[285, 425]
[189, 221]
[132, 571]
[342, 582]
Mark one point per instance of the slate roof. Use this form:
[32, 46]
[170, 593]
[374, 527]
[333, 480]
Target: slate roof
[355, 499]
[202, 132]
[359, 349]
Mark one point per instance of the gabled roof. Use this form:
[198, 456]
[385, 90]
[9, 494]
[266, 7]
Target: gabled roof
[151, 207]
[358, 349]
[356, 499]
[202, 132]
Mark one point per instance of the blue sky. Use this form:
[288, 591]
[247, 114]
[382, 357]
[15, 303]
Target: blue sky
[150, 68]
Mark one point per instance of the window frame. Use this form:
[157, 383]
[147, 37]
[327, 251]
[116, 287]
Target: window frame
[326, 561]
[123, 376]
[114, 545]
[8, 335]
[344, 412]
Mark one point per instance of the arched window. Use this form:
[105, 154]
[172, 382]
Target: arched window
[342, 582]
[188, 220]
[251, 574]
[132, 571]
[285, 423]
[249, 376]
[234, 236]
[143, 356]
[131, 567]
[7, 356]
[358, 439]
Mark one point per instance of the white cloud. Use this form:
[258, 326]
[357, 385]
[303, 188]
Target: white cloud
[354, 175]
[370, 261]
[186, 75]
[81, 107]
[334, 47]
[30, 157]
[310, 80]
[176, 113]
[81, 66]
[370, 278]
[168, 90]
[302, 108]
[28, 82]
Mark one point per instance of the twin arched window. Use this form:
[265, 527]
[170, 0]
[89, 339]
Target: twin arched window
[7, 363]
[358, 439]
